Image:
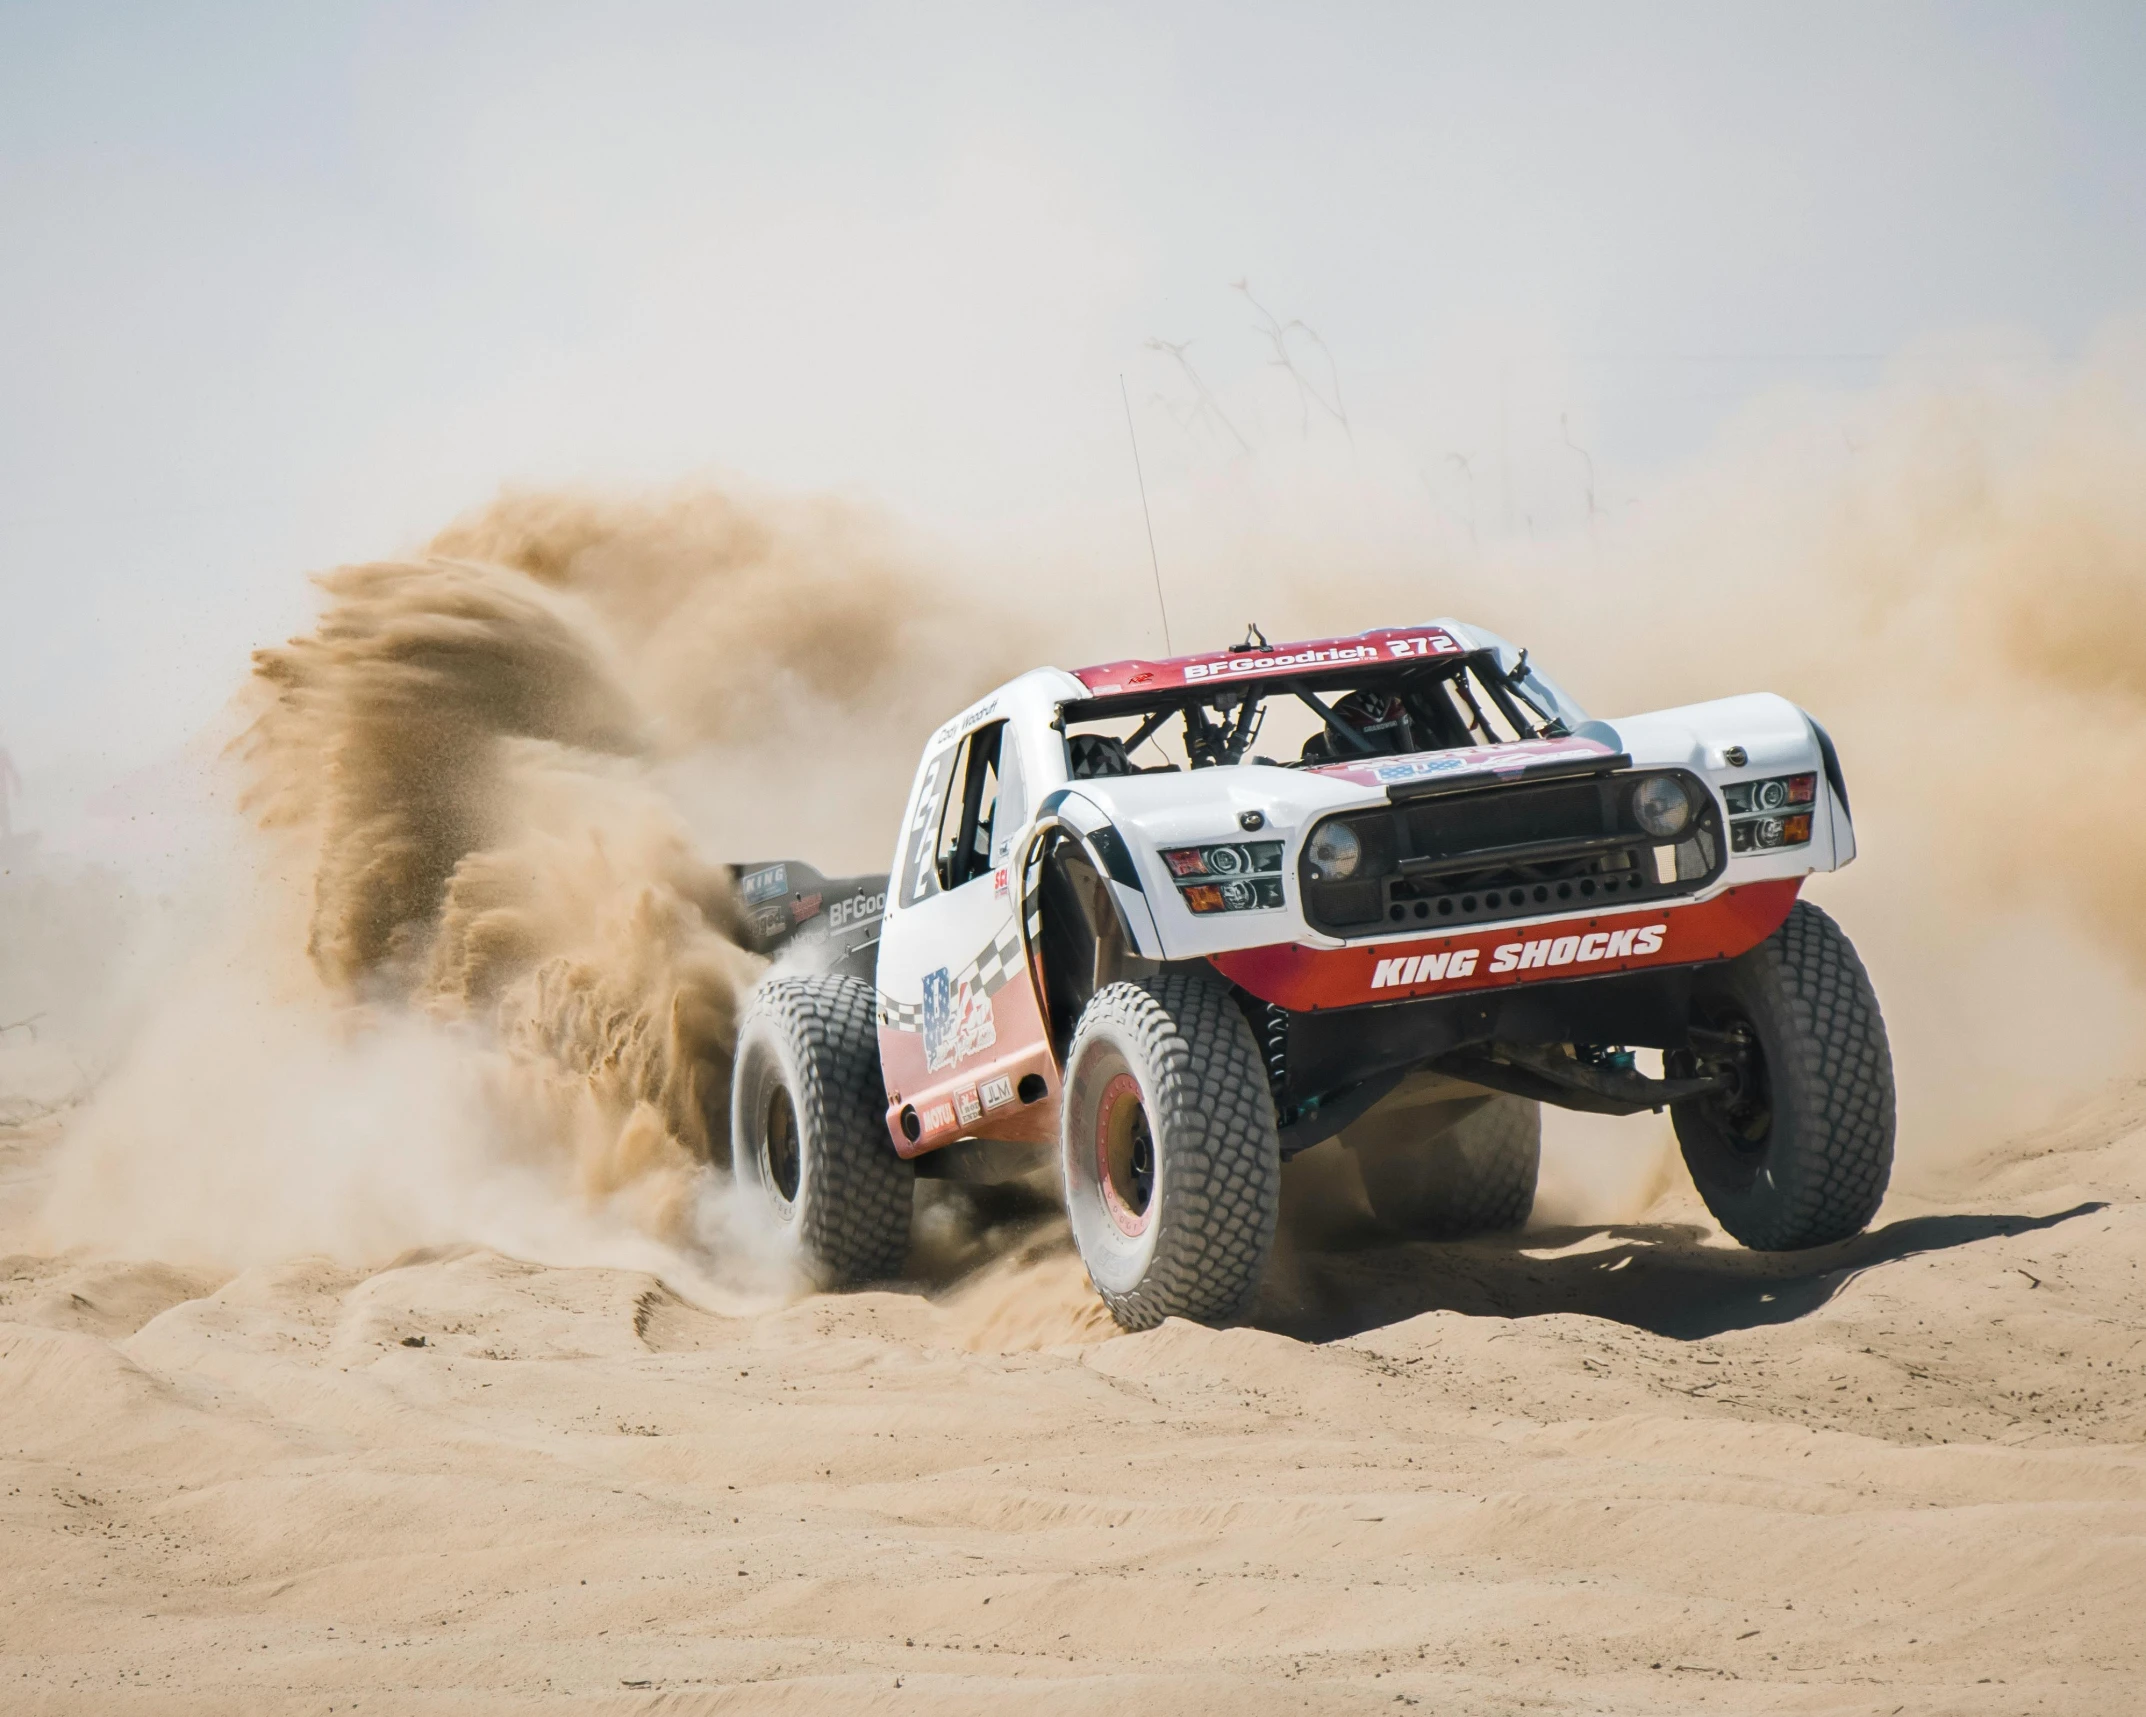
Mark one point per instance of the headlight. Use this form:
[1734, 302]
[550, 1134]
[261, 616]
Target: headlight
[1756, 834]
[1778, 794]
[1239, 894]
[1241, 876]
[1770, 813]
[1335, 852]
[1661, 807]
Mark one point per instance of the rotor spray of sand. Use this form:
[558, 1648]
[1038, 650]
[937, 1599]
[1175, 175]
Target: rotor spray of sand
[488, 989]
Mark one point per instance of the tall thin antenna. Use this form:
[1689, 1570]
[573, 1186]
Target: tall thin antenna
[1153, 561]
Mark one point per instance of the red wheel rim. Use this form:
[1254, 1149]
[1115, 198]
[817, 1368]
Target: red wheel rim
[1125, 1156]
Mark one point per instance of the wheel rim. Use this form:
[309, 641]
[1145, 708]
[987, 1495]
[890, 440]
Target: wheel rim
[1125, 1155]
[782, 1160]
[1740, 1117]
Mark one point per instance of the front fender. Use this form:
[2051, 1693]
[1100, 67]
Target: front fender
[1081, 819]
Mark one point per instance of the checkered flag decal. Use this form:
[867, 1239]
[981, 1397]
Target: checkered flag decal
[988, 973]
[901, 1016]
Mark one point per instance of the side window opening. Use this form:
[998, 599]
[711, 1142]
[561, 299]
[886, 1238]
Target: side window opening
[1012, 809]
[970, 809]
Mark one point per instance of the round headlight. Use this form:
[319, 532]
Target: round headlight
[1228, 861]
[1769, 795]
[1335, 852]
[1661, 806]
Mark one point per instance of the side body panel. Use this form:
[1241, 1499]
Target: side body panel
[963, 1045]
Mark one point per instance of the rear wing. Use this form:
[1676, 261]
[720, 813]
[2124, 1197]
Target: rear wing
[812, 922]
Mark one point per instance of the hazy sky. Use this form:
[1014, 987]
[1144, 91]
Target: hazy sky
[286, 285]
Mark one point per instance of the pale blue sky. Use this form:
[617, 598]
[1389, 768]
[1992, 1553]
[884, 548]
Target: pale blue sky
[285, 285]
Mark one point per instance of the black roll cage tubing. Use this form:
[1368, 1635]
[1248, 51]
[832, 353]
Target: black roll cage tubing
[1207, 743]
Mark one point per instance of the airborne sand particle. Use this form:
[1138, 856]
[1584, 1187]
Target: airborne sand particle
[511, 766]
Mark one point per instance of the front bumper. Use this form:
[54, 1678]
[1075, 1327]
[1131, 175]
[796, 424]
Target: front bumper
[1309, 980]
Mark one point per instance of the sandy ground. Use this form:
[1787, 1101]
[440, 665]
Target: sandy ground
[1605, 1469]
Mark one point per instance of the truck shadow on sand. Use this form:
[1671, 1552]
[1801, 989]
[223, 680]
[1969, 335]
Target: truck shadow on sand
[1658, 1277]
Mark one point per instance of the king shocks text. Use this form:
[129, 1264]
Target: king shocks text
[1406, 970]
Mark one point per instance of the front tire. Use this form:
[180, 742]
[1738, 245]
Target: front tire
[1169, 1153]
[808, 1135]
[1798, 1151]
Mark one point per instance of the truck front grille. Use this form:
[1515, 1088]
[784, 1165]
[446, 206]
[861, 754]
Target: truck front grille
[1513, 852]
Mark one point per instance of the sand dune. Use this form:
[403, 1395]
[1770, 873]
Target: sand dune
[1609, 1468]
[1619, 1467]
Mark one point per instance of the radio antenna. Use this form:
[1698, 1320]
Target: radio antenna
[1156, 564]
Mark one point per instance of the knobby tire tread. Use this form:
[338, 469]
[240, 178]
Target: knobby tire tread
[853, 1225]
[1210, 1096]
[1836, 1071]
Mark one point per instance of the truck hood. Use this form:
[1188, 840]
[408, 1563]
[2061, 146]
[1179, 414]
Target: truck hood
[1768, 734]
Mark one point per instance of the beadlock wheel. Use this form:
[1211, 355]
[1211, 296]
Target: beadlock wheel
[808, 1138]
[1168, 1149]
[1797, 1147]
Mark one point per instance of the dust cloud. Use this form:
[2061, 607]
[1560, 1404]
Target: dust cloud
[490, 930]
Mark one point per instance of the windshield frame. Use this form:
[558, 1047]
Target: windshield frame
[1223, 719]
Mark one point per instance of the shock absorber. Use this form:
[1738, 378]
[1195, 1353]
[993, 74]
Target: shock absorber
[1274, 1042]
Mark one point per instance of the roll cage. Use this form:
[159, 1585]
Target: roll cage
[1441, 703]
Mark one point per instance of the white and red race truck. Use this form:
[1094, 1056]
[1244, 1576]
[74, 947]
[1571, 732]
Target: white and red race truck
[1172, 922]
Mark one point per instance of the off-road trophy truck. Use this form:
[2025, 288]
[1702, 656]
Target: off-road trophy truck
[1118, 935]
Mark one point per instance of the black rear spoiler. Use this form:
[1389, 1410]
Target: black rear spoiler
[828, 922]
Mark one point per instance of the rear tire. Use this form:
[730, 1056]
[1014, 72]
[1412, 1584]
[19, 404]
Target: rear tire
[1799, 1152]
[808, 1133]
[1475, 1176]
[1168, 1149]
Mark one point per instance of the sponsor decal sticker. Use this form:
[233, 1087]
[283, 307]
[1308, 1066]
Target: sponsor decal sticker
[968, 1106]
[1514, 757]
[1578, 950]
[996, 1093]
[958, 1020]
[1423, 969]
[765, 883]
[1311, 979]
[1408, 970]
[855, 910]
[804, 906]
[1418, 768]
[1261, 664]
[937, 1118]
[998, 881]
